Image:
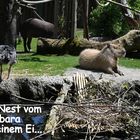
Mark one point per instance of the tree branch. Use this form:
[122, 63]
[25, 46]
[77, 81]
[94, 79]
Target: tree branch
[122, 5]
[25, 5]
[35, 2]
[53, 119]
[103, 5]
[117, 3]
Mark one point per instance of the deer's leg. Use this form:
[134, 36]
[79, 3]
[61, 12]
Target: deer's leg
[29, 43]
[24, 43]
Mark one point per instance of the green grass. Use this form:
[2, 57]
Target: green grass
[79, 33]
[29, 64]
[43, 65]
[130, 62]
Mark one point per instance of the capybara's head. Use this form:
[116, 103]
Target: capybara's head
[117, 50]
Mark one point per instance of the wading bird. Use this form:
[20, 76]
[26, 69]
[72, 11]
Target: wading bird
[7, 56]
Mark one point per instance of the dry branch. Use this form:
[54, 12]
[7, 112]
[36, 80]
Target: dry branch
[35, 2]
[102, 117]
[53, 119]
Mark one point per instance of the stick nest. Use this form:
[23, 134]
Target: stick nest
[98, 108]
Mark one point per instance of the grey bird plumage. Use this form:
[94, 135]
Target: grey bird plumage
[7, 56]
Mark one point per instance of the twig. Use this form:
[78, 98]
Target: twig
[45, 133]
[73, 105]
[38, 15]
[25, 5]
[103, 5]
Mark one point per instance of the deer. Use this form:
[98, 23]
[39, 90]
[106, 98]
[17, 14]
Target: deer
[34, 27]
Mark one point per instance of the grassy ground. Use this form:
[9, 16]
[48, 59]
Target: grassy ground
[130, 62]
[30, 64]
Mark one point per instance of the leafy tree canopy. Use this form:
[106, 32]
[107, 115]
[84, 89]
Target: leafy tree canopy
[109, 21]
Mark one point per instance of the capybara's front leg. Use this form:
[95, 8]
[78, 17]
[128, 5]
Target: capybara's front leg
[118, 71]
[110, 71]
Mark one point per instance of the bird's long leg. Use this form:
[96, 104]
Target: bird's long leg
[0, 73]
[9, 70]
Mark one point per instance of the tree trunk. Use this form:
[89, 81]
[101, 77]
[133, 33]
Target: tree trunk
[67, 18]
[85, 18]
[130, 42]
[56, 8]
[7, 22]
[74, 18]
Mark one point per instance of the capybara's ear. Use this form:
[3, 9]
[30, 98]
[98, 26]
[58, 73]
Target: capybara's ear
[107, 45]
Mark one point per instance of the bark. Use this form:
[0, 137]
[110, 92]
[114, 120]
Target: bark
[7, 22]
[85, 17]
[54, 116]
[74, 18]
[56, 15]
[68, 18]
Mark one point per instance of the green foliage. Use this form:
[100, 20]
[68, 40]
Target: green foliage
[61, 22]
[109, 21]
[79, 33]
[135, 4]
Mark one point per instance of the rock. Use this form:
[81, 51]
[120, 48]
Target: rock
[44, 89]
[129, 74]
[38, 88]
[129, 83]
